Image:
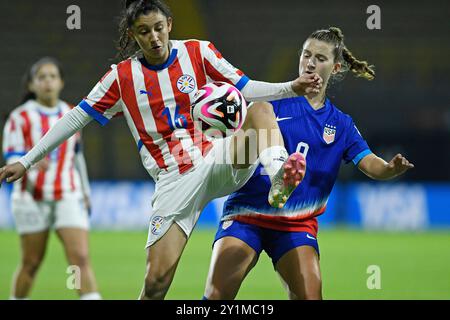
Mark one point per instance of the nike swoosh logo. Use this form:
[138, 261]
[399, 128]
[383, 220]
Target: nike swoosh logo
[282, 119]
[309, 237]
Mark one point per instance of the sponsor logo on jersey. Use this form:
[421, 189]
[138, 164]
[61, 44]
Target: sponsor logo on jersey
[186, 84]
[145, 92]
[282, 119]
[227, 224]
[156, 225]
[329, 133]
[310, 237]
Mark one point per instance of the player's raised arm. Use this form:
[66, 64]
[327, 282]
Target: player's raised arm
[264, 91]
[218, 69]
[68, 125]
[378, 169]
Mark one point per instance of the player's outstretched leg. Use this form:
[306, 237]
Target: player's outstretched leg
[260, 136]
[287, 179]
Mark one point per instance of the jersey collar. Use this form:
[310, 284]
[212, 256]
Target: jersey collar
[308, 106]
[172, 57]
[47, 111]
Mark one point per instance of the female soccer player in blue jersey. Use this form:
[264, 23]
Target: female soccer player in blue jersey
[324, 136]
[147, 89]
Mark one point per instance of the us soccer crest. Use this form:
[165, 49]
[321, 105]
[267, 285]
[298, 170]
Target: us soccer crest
[329, 133]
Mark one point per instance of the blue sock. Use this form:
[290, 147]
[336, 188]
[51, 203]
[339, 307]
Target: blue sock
[205, 298]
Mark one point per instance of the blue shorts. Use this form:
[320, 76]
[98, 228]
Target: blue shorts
[275, 243]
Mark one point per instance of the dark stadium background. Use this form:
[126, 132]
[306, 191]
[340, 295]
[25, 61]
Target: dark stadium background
[405, 109]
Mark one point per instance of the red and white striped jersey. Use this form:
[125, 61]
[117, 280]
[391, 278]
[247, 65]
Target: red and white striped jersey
[26, 125]
[156, 99]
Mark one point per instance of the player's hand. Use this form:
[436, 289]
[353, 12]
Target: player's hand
[307, 83]
[12, 172]
[399, 165]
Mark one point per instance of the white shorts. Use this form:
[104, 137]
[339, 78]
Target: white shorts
[33, 216]
[182, 200]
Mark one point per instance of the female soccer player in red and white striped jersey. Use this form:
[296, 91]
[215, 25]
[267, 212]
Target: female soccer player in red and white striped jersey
[55, 192]
[154, 88]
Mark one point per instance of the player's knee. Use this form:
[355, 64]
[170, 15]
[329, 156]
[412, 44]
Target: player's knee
[80, 259]
[30, 265]
[214, 292]
[311, 292]
[156, 286]
[260, 110]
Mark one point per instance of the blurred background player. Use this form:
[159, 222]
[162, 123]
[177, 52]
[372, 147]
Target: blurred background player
[146, 88]
[325, 136]
[55, 192]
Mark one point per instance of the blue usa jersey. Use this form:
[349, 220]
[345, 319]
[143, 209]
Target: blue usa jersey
[325, 137]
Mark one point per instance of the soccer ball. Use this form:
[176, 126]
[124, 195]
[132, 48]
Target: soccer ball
[219, 109]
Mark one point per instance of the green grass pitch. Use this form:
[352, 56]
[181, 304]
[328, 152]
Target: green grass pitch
[413, 266]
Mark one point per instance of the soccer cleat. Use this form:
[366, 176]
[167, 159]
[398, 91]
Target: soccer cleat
[286, 180]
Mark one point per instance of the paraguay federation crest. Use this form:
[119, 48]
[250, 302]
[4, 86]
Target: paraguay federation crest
[329, 133]
[186, 84]
[156, 225]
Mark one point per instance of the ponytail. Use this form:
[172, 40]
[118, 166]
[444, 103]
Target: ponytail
[334, 36]
[359, 68]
